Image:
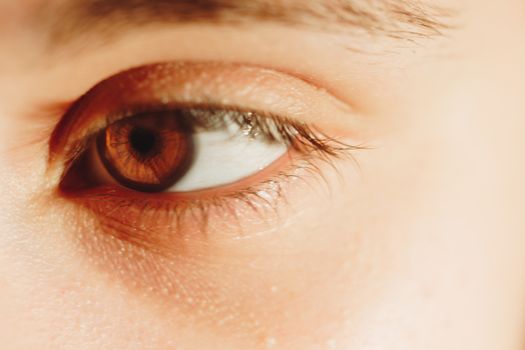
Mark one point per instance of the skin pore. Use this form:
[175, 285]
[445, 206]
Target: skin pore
[412, 241]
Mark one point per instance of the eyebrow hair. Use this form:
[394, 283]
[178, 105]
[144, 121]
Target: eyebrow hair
[400, 19]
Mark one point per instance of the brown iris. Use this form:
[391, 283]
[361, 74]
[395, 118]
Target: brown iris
[148, 152]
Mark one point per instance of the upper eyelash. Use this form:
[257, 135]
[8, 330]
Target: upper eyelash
[274, 128]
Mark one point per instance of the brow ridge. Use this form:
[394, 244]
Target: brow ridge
[402, 19]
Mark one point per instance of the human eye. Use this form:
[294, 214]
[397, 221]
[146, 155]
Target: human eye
[185, 149]
[173, 155]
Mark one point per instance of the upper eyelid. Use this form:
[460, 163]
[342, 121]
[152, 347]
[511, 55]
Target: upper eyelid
[196, 83]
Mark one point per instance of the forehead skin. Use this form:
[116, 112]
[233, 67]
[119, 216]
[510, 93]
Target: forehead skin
[421, 250]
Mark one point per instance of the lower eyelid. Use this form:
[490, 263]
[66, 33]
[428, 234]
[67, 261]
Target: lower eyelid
[161, 220]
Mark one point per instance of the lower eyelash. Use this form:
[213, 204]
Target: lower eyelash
[155, 223]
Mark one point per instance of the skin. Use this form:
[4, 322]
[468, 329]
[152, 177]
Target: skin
[418, 247]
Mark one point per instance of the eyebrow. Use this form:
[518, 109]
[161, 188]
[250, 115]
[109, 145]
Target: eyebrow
[400, 19]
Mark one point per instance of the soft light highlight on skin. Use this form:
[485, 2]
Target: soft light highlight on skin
[421, 247]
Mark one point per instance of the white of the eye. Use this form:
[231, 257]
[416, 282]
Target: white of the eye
[223, 157]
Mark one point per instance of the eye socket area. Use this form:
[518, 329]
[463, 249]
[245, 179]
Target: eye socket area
[233, 133]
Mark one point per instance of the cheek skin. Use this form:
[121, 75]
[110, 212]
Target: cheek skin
[228, 284]
[367, 266]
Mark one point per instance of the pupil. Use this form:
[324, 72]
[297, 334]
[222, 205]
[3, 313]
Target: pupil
[143, 141]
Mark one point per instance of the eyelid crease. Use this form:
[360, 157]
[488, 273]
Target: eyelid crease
[129, 88]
